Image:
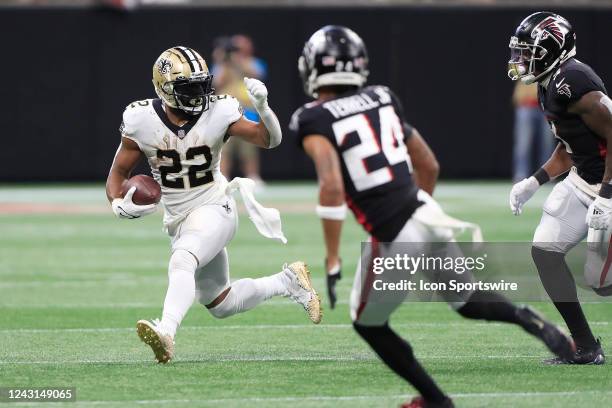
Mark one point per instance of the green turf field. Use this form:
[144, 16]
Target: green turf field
[72, 287]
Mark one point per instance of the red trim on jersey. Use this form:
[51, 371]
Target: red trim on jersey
[369, 278]
[603, 148]
[606, 267]
[361, 217]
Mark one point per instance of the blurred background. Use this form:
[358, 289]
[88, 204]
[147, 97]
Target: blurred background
[71, 67]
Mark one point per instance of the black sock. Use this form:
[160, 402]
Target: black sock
[559, 283]
[486, 305]
[397, 355]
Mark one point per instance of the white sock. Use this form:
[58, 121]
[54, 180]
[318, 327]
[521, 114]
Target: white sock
[181, 290]
[248, 293]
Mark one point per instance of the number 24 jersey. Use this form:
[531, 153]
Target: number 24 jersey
[368, 131]
[184, 160]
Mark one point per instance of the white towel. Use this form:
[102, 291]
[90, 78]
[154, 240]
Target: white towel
[266, 220]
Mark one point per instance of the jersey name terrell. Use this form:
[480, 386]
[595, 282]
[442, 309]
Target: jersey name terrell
[351, 105]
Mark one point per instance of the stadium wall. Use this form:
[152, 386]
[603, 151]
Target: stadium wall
[69, 73]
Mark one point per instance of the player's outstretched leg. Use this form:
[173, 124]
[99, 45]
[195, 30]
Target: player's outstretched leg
[159, 335]
[397, 355]
[485, 305]
[244, 294]
[561, 287]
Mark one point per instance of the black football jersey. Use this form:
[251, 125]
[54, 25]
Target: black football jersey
[368, 130]
[569, 83]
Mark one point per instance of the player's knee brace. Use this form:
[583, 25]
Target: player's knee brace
[182, 260]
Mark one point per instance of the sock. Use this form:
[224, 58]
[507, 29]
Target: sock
[559, 283]
[397, 355]
[181, 290]
[486, 305]
[247, 293]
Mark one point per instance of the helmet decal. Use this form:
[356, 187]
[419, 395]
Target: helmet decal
[164, 66]
[550, 28]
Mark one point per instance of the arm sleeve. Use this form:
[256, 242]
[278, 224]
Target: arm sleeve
[573, 85]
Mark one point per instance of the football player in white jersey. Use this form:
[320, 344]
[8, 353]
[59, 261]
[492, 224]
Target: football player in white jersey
[181, 134]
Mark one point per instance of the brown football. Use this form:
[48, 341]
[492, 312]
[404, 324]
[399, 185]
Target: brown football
[147, 189]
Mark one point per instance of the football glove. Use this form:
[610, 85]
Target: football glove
[598, 215]
[257, 92]
[521, 193]
[333, 276]
[125, 208]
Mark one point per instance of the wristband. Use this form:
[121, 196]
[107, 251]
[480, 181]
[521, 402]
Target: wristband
[542, 176]
[337, 213]
[606, 190]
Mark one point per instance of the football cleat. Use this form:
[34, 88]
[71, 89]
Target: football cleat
[582, 356]
[552, 336]
[300, 290]
[161, 344]
[332, 277]
[419, 402]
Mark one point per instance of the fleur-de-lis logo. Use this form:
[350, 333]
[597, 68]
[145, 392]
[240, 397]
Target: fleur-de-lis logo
[164, 65]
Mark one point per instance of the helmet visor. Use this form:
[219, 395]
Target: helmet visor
[191, 95]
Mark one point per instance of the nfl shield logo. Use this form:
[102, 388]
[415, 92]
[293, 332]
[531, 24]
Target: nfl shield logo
[181, 133]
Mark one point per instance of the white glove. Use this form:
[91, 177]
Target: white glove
[598, 215]
[521, 193]
[258, 93]
[126, 209]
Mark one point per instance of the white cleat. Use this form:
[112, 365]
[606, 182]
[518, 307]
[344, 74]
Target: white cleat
[301, 290]
[161, 344]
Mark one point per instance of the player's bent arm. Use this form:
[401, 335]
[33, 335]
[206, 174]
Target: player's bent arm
[251, 132]
[558, 163]
[267, 133]
[127, 157]
[595, 109]
[425, 165]
[125, 161]
[331, 208]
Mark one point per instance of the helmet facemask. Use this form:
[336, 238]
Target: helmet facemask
[523, 58]
[192, 95]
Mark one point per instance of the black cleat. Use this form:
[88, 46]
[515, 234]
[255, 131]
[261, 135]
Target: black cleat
[582, 356]
[552, 336]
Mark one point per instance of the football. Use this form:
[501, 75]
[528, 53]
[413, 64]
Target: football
[147, 191]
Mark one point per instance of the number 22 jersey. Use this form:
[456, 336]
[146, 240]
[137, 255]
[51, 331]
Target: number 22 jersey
[368, 131]
[184, 160]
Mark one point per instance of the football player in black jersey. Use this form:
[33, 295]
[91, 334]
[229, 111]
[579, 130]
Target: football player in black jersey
[579, 111]
[362, 149]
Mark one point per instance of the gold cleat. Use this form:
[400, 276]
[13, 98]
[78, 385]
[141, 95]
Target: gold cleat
[302, 291]
[161, 344]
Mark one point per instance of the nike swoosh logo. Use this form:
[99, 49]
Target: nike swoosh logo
[559, 83]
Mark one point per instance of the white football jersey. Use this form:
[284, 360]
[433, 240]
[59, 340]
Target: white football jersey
[184, 160]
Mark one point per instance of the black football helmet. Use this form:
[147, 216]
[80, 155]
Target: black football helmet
[542, 41]
[334, 55]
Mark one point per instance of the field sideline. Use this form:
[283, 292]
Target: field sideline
[74, 280]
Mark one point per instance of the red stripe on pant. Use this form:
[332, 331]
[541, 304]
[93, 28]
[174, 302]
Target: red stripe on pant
[604, 271]
[368, 281]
